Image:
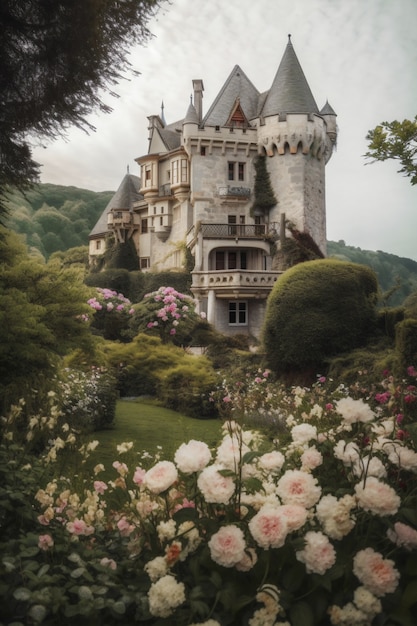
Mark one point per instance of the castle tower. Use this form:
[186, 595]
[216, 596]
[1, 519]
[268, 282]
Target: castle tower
[299, 139]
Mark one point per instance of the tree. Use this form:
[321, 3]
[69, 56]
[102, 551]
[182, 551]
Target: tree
[316, 310]
[57, 59]
[42, 308]
[395, 140]
[264, 194]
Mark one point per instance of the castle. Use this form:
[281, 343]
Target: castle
[196, 194]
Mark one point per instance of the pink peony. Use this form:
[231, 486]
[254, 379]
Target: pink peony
[271, 461]
[192, 456]
[403, 535]
[161, 476]
[215, 487]
[227, 546]
[311, 458]
[377, 574]
[295, 515]
[377, 497]
[298, 487]
[318, 554]
[269, 527]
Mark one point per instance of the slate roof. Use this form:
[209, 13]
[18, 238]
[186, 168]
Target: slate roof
[236, 86]
[125, 196]
[290, 92]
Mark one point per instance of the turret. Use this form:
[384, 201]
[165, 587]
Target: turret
[330, 118]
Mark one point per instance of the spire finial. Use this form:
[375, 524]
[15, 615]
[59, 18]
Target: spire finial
[128, 169]
[289, 38]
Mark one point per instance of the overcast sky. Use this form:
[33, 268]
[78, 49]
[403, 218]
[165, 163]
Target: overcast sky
[361, 55]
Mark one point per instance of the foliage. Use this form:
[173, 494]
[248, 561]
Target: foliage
[169, 314]
[264, 197]
[315, 527]
[41, 319]
[147, 366]
[121, 255]
[395, 140]
[316, 310]
[397, 276]
[87, 399]
[55, 218]
[112, 311]
[58, 59]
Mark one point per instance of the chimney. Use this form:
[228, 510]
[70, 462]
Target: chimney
[198, 97]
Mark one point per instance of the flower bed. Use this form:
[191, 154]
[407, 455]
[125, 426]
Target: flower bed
[316, 524]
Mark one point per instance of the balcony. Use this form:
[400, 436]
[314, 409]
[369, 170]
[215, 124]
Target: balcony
[164, 190]
[236, 193]
[231, 231]
[232, 281]
[119, 219]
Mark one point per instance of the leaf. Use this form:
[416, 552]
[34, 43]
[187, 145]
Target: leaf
[22, 594]
[76, 573]
[119, 608]
[301, 614]
[409, 597]
[248, 457]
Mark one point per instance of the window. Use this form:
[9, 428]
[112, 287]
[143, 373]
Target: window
[203, 150]
[184, 171]
[175, 172]
[98, 244]
[231, 220]
[236, 171]
[145, 262]
[241, 171]
[144, 226]
[238, 313]
[230, 260]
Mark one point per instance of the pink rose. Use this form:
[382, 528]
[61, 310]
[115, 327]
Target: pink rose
[269, 527]
[100, 486]
[79, 527]
[227, 546]
[45, 542]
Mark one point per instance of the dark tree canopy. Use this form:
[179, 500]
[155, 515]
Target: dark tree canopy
[398, 141]
[57, 58]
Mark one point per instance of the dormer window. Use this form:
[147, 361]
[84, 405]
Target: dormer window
[237, 117]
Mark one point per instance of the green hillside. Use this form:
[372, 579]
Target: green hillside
[54, 217]
[392, 271]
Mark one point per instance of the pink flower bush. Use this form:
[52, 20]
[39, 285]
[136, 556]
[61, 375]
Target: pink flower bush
[318, 514]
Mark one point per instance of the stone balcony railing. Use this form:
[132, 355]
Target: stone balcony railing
[231, 231]
[225, 280]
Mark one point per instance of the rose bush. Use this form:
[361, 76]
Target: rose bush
[314, 526]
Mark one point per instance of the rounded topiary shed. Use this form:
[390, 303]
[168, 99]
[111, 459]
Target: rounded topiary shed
[316, 310]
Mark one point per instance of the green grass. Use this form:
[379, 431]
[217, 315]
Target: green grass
[150, 428]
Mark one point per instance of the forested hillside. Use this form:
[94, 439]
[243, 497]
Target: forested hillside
[392, 271]
[55, 218]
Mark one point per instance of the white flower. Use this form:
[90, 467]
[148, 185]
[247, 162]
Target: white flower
[192, 456]
[311, 458]
[215, 487]
[377, 497]
[227, 546]
[348, 453]
[318, 554]
[335, 515]
[271, 461]
[303, 433]
[165, 595]
[403, 457]
[156, 568]
[166, 530]
[403, 535]
[367, 602]
[124, 447]
[230, 451]
[354, 410]
[161, 476]
[298, 487]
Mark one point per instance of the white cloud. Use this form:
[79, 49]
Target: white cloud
[361, 56]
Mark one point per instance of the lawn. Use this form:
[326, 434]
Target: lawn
[151, 428]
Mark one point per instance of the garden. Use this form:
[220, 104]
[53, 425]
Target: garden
[142, 484]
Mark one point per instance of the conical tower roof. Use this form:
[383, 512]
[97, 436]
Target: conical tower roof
[123, 199]
[290, 92]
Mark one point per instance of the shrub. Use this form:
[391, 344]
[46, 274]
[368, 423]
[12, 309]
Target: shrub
[112, 311]
[316, 310]
[186, 386]
[406, 342]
